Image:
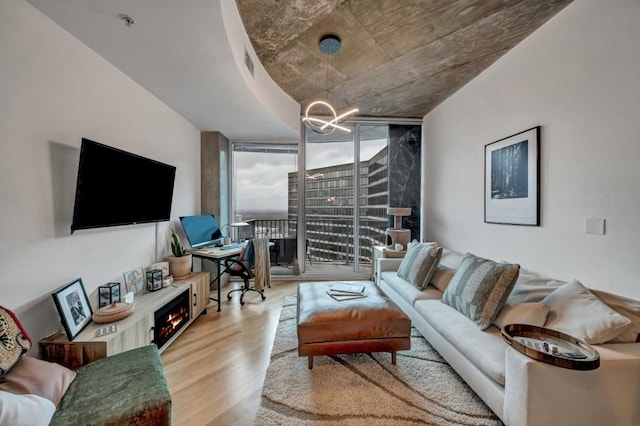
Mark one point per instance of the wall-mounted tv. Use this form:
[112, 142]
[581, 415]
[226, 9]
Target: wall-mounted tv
[201, 230]
[115, 187]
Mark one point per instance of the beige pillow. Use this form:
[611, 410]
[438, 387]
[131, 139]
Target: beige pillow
[627, 307]
[576, 311]
[23, 410]
[441, 277]
[522, 313]
[35, 376]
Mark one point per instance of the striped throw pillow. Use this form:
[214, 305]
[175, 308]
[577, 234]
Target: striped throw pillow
[480, 287]
[419, 263]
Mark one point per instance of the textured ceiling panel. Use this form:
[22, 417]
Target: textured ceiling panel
[398, 58]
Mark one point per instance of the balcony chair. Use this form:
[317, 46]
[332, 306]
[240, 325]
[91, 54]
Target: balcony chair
[244, 267]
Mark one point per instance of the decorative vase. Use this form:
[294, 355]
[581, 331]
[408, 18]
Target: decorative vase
[179, 267]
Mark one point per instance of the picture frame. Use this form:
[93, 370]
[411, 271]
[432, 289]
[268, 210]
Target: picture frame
[134, 280]
[163, 266]
[73, 307]
[512, 179]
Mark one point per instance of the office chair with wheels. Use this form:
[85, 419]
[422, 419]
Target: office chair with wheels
[243, 267]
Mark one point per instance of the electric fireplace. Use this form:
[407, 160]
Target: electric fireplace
[170, 318]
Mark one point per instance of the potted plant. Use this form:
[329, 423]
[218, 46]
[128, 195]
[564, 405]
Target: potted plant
[180, 262]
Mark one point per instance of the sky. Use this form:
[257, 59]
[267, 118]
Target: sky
[261, 179]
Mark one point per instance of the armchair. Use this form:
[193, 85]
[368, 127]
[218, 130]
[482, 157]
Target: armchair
[243, 267]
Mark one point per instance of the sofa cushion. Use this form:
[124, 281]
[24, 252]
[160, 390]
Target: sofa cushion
[522, 313]
[25, 410]
[485, 349]
[480, 287]
[37, 377]
[15, 340]
[629, 308]
[532, 287]
[407, 291]
[419, 264]
[576, 311]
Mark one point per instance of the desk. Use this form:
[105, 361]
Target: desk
[216, 254]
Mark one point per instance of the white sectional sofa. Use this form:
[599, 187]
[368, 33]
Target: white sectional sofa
[519, 389]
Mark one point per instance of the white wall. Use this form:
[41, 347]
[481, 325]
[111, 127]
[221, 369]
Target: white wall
[54, 91]
[577, 77]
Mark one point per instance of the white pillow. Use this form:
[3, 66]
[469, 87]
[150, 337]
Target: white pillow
[522, 313]
[576, 311]
[25, 410]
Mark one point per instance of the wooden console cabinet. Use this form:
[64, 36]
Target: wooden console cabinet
[134, 331]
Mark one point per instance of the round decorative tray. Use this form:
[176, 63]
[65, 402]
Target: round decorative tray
[113, 312]
[551, 346]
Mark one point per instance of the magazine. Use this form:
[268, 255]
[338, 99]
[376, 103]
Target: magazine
[343, 296]
[348, 289]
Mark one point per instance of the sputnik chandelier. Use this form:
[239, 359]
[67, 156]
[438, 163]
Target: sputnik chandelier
[320, 116]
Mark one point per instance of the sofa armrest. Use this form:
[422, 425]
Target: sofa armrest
[386, 264]
[539, 394]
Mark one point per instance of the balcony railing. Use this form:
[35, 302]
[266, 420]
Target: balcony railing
[327, 240]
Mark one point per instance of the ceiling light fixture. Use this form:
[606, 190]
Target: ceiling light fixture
[318, 113]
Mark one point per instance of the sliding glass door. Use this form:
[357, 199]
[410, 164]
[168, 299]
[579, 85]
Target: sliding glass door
[345, 199]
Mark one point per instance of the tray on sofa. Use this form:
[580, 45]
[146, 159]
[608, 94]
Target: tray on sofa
[551, 346]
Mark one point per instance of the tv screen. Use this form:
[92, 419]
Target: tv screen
[201, 230]
[115, 187]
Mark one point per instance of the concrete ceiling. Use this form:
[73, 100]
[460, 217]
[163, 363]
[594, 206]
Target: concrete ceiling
[399, 58]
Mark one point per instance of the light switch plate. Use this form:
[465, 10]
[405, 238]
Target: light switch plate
[594, 226]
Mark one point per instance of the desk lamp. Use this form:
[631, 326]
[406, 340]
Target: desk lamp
[227, 239]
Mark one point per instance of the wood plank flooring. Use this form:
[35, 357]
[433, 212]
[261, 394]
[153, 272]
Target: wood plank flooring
[216, 368]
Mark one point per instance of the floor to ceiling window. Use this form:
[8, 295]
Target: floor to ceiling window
[345, 200]
[260, 198]
[327, 219]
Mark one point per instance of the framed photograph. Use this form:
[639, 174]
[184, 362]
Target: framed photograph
[511, 179]
[163, 266]
[74, 307]
[134, 281]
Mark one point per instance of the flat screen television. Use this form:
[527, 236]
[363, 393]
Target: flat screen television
[115, 187]
[201, 230]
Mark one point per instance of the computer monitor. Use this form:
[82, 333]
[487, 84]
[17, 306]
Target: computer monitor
[201, 230]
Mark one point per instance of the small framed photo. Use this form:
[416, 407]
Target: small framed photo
[74, 307]
[134, 281]
[163, 266]
[511, 179]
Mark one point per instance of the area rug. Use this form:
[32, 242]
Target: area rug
[364, 389]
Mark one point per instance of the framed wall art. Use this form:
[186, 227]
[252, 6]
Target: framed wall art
[74, 307]
[511, 179]
[134, 281]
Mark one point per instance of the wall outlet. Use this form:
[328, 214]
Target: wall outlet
[594, 226]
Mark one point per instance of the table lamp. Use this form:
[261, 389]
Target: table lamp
[227, 239]
[397, 235]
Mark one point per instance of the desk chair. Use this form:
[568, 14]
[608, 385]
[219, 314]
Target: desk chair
[244, 267]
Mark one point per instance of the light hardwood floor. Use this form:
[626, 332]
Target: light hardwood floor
[216, 368]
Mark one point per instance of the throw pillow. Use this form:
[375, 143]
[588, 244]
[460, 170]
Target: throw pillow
[480, 287]
[29, 410]
[14, 340]
[37, 377]
[419, 263]
[522, 313]
[576, 311]
[626, 307]
[442, 277]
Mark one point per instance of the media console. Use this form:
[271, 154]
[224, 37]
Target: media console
[136, 330]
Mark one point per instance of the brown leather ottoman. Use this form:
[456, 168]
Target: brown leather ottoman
[369, 324]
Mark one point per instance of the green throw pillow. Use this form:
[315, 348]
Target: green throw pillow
[480, 287]
[419, 263]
